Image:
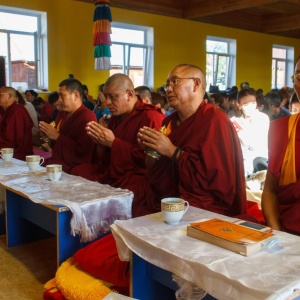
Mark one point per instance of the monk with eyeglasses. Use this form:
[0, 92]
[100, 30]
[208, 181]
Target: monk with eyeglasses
[200, 155]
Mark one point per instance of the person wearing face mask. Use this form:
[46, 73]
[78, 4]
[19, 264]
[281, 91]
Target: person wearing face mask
[281, 197]
[252, 128]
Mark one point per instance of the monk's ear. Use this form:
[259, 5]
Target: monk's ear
[76, 94]
[197, 84]
[130, 93]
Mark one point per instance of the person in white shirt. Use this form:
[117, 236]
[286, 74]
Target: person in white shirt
[252, 128]
[33, 115]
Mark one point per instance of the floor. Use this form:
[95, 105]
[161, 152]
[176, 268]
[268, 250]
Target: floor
[25, 269]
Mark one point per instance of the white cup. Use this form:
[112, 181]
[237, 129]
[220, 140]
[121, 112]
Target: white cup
[7, 153]
[33, 161]
[54, 172]
[173, 209]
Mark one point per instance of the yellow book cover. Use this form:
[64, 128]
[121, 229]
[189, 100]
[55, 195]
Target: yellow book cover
[232, 232]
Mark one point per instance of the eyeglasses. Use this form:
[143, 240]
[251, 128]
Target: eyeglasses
[295, 77]
[173, 82]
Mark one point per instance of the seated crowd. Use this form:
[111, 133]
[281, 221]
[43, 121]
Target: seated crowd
[94, 141]
[205, 153]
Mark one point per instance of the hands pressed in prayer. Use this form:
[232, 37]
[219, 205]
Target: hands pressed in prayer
[49, 130]
[104, 120]
[100, 134]
[148, 137]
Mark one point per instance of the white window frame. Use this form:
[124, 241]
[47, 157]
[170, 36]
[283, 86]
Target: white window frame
[41, 44]
[148, 69]
[230, 55]
[289, 66]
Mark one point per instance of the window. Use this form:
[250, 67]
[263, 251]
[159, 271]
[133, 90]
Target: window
[220, 62]
[132, 53]
[23, 41]
[282, 66]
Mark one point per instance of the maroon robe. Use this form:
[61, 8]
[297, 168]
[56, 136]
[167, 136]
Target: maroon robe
[288, 196]
[123, 165]
[73, 146]
[16, 130]
[209, 173]
[45, 114]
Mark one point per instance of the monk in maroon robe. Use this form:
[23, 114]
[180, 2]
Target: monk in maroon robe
[281, 200]
[281, 194]
[121, 160]
[201, 159]
[71, 144]
[15, 124]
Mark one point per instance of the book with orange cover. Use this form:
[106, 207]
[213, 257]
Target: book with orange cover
[230, 236]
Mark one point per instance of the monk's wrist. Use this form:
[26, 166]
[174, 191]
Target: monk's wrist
[178, 151]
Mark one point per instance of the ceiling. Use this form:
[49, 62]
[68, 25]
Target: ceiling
[277, 17]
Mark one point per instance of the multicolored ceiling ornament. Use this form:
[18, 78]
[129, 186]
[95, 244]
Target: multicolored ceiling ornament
[102, 30]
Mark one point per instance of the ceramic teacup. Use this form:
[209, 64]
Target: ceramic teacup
[54, 172]
[7, 153]
[173, 209]
[33, 161]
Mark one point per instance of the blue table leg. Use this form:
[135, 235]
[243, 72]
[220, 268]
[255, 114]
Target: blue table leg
[2, 211]
[2, 224]
[67, 244]
[152, 283]
[28, 221]
[145, 287]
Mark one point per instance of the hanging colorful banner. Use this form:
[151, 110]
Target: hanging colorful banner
[102, 30]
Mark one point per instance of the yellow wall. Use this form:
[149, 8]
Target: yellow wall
[176, 41]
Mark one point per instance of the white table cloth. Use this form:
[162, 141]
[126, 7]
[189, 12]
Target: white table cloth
[269, 274]
[94, 206]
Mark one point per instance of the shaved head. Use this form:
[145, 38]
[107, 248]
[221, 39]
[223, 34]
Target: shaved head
[8, 96]
[10, 90]
[193, 71]
[120, 95]
[122, 81]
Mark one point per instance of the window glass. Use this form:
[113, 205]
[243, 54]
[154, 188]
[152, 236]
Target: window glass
[21, 47]
[3, 44]
[137, 57]
[216, 46]
[131, 53]
[18, 22]
[117, 58]
[279, 53]
[278, 73]
[282, 66]
[220, 63]
[128, 36]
